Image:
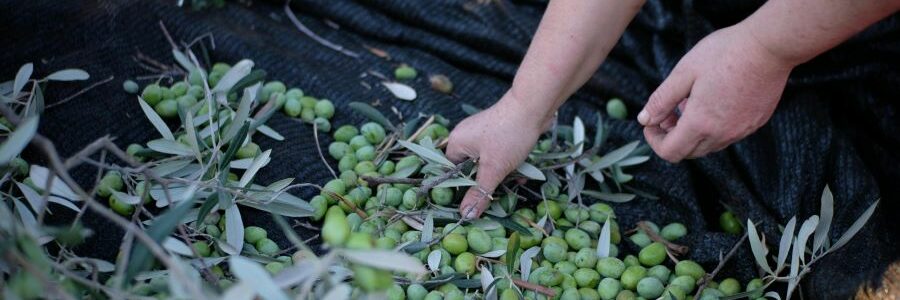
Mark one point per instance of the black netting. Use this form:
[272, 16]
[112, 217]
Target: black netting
[837, 124]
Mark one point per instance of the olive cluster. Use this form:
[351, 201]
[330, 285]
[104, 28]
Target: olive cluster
[184, 95]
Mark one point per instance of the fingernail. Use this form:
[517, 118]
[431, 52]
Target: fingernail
[470, 212]
[643, 117]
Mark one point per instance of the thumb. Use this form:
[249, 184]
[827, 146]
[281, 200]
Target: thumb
[478, 197]
[662, 102]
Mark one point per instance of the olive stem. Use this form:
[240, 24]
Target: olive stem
[375, 181]
[427, 186]
[678, 249]
[313, 35]
[319, 149]
[534, 287]
[349, 203]
[421, 129]
[706, 278]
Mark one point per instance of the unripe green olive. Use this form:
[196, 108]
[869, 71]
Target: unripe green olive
[408, 162]
[220, 67]
[554, 249]
[358, 142]
[405, 72]
[348, 162]
[267, 247]
[373, 132]
[393, 197]
[591, 227]
[120, 207]
[152, 94]
[600, 212]
[274, 267]
[371, 280]
[434, 295]
[442, 196]
[673, 231]
[249, 150]
[631, 276]
[202, 248]
[386, 168]
[729, 223]
[307, 102]
[455, 243]
[345, 133]
[550, 208]
[360, 240]
[416, 292]
[586, 277]
[111, 181]
[576, 214]
[610, 267]
[335, 186]
[673, 293]
[292, 107]
[586, 258]
[686, 283]
[755, 285]
[324, 109]
[322, 124]
[385, 243]
[464, 263]
[508, 294]
[411, 200]
[179, 88]
[653, 254]
[570, 294]
[338, 150]
[566, 267]
[366, 153]
[479, 241]
[167, 108]
[660, 272]
[729, 286]
[609, 288]
[690, 268]
[711, 294]
[308, 115]
[588, 294]
[364, 167]
[214, 78]
[650, 288]
[577, 238]
[270, 88]
[616, 109]
[336, 227]
[530, 240]
[526, 213]
[640, 239]
[395, 292]
[197, 92]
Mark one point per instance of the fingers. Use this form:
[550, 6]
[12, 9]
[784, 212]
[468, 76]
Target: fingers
[675, 145]
[669, 94]
[456, 151]
[478, 197]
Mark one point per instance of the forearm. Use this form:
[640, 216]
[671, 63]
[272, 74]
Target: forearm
[798, 30]
[574, 37]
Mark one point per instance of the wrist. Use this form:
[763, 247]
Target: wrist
[532, 113]
[767, 44]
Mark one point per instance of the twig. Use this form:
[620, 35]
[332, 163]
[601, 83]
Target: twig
[168, 36]
[375, 181]
[313, 35]
[678, 249]
[421, 129]
[706, 278]
[319, 149]
[427, 186]
[82, 91]
[348, 203]
[534, 287]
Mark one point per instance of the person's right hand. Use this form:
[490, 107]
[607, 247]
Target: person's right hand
[498, 139]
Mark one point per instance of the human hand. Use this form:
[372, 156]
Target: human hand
[499, 139]
[726, 87]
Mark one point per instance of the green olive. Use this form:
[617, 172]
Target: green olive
[338, 150]
[653, 254]
[411, 200]
[348, 162]
[308, 102]
[530, 240]
[214, 78]
[373, 132]
[336, 227]
[220, 67]
[588, 294]
[366, 153]
[358, 142]
[152, 94]
[345, 133]
[130, 86]
[324, 109]
[386, 168]
[270, 88]
[729, 223]
[202, 248]
[554, 249]
[730, 286]
[616, 109]
[626, 295]
[371, 280]
[586, 258]
[600, 212]
[334, 186]
[660, 272]
[711, 294]
[640, 239]
[416, 292]
[550, 277]
[550, 208]
[385, 243]
[455, 243]
[464, 263]
[308, 115]
[197, 91]
[360, 240]
[139, 190]
[267, 247]
[650, 288]
[631, 276]
[577, 239]
[690, 268]
[755, 285]
[586, 277]
[167, 108]
[409, 162]
[479, 241]
[249, 150]
[292, 107]
[111, 181]
[120, 207]
[179, 88]
[551, 191]
[566, 267]
[576, 215]
[322, 124]
[442, 196]
[673, 231]
[570, 294]
[405, 72]
[609, 288]
[610, 267]
[509, 294]
[395, 292]
[684, 282]
[673, 293]
[364, 167]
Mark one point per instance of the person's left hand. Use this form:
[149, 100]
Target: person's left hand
[726, 87]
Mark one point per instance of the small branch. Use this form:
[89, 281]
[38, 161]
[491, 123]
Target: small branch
[534, 287]
[375, 181]
[677, 249]
[706, 278]
[82, 91]
[319, 149]
[349, 203]
[313, 35]
[427, 186]
[168, 36]
[421, 129]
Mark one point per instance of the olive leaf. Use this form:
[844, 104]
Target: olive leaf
[258, 278]
[183, 59]
[161, 228]
[386, 260]
[176, 246]
[456, 182]
[525, 261]
[22, 77]
[17, 141]
[234, 230]
[428, 228]
[339, 292]
[400, 91]
[609, 197]
[235, 74]
[260, 161]
[269, 132]
[284, 204]
[600, 133]
[612, 157]
[26, 217]
[59, 189]
[757, 247]
[512, 247]
[530, 171]
[373, 114]
[157, 122]
[826, 212]
[604, 241]
[470, 110]
[36, 105]
[434, 260]
[255, 76]
[69, 75]
[430, 154]
[206, 208]
[785, 244]
[578, 136]
[634, 160]
[129, 199]
[857, 225]
[243, 112]
[487, 280]
[170, 147]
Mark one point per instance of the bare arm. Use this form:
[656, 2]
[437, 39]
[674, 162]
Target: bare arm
[572, 40]
[729, 84]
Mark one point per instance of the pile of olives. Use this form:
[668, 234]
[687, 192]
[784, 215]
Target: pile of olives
[185, 94]
[567, 261]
